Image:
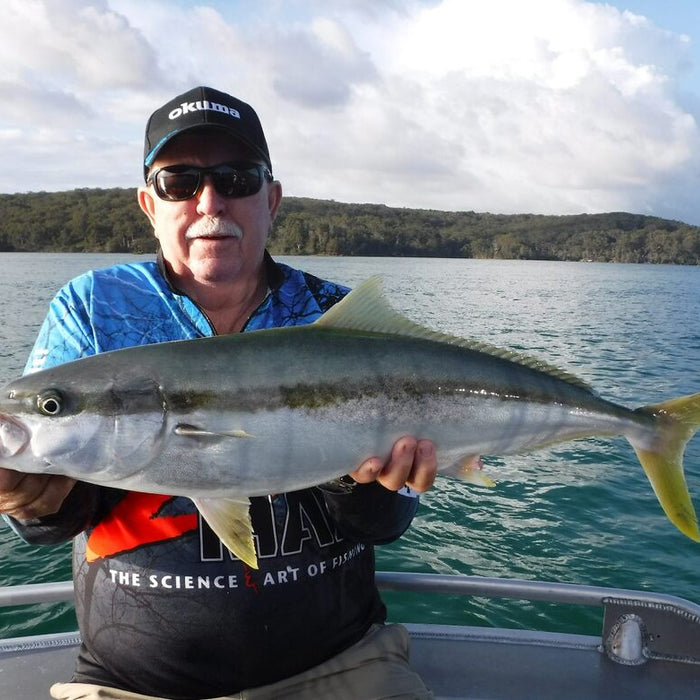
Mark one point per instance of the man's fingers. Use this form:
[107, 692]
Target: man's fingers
[18, 490]
[412, 462]
[368, 470]
[33, 495]
[397, 471]
[9, 480]
[52, 497]
[425, 464]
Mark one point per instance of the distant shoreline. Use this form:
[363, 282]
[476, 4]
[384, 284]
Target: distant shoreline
[109, 221]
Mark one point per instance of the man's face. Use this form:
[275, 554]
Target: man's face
[187, 230]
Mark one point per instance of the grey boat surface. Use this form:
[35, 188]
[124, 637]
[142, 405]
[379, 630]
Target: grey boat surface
[649, 646]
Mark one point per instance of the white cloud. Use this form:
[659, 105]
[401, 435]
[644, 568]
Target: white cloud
[84, 46]
[318, 66]
[553, 106]
[532, 106]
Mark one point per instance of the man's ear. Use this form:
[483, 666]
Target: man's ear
[274, 198]
[145, 199]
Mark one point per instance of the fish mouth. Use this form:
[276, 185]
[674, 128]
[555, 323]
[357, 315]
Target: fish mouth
[14, 436]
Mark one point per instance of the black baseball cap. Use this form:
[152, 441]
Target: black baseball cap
[204, 107]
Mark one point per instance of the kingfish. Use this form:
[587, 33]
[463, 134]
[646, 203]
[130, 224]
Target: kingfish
[224, 418]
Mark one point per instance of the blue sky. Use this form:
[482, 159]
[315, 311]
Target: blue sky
[545, 106]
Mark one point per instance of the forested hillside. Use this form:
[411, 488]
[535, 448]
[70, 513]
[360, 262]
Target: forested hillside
[110, 221]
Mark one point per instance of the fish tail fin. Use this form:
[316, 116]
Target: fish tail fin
[677, 421]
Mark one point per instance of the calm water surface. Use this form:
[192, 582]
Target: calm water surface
[581, 512]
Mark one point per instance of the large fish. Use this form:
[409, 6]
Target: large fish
[224, 418]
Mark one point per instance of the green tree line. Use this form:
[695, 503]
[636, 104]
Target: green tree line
[109, 220]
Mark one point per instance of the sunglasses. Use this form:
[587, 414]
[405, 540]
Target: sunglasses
[176, 183]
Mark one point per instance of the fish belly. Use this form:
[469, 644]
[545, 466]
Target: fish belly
[262, 452]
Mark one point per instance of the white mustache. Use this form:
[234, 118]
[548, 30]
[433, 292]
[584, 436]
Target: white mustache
[213, 228]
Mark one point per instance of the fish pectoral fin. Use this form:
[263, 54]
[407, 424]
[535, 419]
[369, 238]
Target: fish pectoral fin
[230, 520]
[186, 430]
[469, 469]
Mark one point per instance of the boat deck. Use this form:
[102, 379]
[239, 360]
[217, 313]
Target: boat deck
[650, 647]
[479, 663]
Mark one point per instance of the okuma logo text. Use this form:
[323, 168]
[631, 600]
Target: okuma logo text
[200, 105]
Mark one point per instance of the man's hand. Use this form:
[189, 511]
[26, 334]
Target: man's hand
[28, 496]
[412, 463]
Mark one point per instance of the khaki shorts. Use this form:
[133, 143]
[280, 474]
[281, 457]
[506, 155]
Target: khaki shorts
[376, 667]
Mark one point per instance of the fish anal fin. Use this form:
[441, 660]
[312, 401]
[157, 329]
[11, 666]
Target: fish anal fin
[230, 520]
[469, 469]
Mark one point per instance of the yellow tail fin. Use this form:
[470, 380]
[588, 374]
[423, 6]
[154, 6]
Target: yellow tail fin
[678, 421]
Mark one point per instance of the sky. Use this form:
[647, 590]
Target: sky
[502, 106]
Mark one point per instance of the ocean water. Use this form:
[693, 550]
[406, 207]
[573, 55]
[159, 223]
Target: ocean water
[582, 512]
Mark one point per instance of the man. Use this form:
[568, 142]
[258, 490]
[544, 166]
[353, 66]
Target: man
[164, 610]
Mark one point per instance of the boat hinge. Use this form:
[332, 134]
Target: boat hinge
[635, 631]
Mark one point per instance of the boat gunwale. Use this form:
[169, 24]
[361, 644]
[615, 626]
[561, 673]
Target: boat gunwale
[460, 584]
[470, 661]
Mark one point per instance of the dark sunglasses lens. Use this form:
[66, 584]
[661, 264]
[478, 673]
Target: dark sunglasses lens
[176, 186]
[237, 182]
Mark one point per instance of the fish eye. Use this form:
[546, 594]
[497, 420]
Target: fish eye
[50, 403]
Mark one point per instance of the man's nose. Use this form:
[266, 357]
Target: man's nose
[209, 201]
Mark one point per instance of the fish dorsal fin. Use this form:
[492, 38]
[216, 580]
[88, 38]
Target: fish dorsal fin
[366, 309]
